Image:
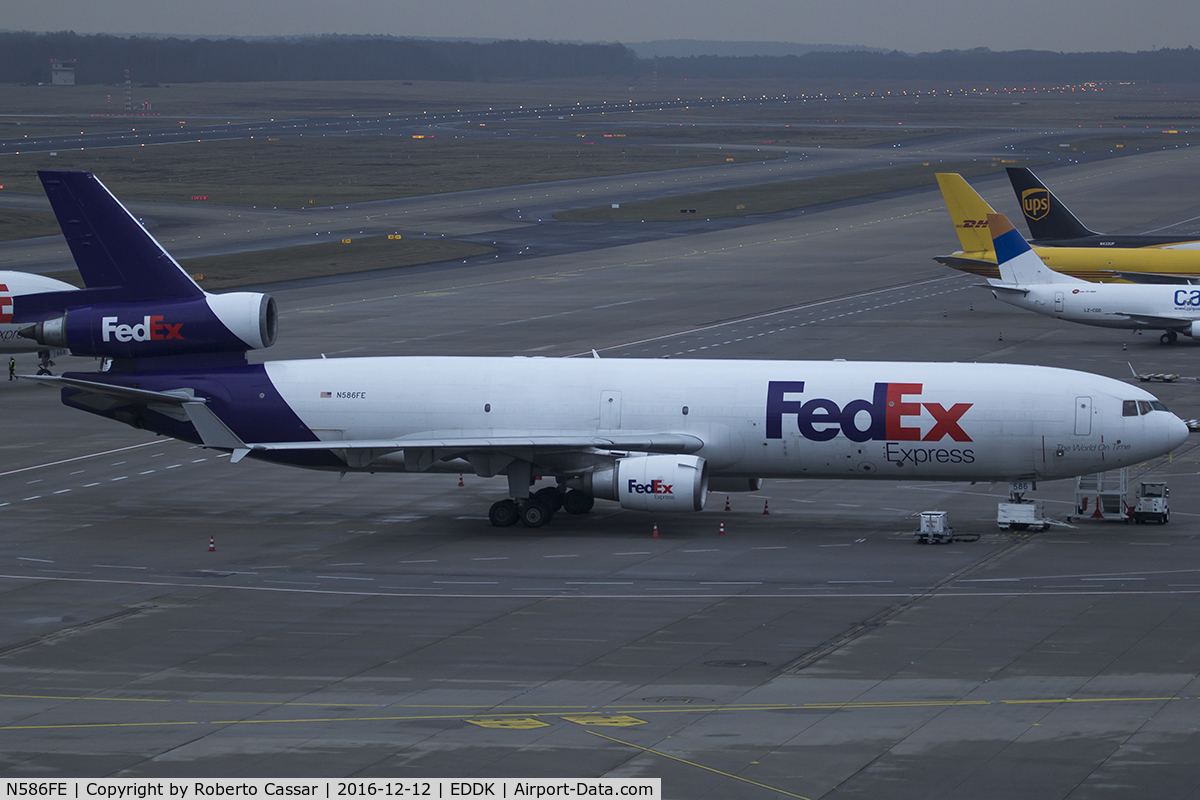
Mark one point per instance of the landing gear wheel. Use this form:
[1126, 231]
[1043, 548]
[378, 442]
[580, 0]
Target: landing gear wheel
[551, 497]
[535, 515]
[577, 502]
[503, 513]
[1169, 337]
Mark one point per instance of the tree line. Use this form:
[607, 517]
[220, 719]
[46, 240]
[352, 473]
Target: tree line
[101, 58]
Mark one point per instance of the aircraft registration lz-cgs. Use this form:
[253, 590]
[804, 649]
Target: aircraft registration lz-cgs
[652, 435]
[1027, 283]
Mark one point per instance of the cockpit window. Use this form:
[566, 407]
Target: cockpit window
[1129, 408]
[1158, 405]
[1144, 406]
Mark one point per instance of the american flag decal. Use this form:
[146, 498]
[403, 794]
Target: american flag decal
[326, 394]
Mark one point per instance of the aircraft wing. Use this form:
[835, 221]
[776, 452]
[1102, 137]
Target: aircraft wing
[1156, 322]
[422, 450]
[1152, 277]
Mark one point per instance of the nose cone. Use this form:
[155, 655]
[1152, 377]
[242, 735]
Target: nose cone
[1176, 432]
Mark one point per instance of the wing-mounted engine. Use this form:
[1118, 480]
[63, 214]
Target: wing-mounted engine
[212, 323]
[669, 483]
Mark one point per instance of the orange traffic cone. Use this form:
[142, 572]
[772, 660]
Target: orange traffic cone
[655, 534]
[212, 544]
[1124, 346]
[460, 483]
[721, 530]
[727, 508]
[766, 508]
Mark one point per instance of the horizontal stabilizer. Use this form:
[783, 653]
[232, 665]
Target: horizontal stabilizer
[138, 396]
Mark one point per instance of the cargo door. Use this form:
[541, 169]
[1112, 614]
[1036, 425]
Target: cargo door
[1083, 416]
[610, 411]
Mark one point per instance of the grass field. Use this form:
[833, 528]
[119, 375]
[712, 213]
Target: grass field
[18, 224]
[770, 197]
[1129, 141]
[347, 169]
[315, 260]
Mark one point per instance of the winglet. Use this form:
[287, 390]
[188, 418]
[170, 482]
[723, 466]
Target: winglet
[213, 432]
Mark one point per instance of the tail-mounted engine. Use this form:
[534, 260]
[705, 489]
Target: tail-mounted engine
[212, 323]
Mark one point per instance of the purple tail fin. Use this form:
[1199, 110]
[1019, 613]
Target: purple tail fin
[110, 247]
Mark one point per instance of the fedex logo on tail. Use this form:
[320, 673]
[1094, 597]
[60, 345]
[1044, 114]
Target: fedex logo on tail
[890, 415]
[150, 329]
[6, 304]
[653, 487]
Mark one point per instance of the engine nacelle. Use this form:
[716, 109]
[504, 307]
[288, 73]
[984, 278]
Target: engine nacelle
[214, 323]
[1194, 329]
[732, 485]
[653, 483]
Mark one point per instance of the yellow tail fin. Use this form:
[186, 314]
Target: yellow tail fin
[969, 212]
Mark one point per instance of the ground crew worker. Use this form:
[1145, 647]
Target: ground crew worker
[12, 368]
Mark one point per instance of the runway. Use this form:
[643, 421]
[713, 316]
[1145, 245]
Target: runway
[377, 626]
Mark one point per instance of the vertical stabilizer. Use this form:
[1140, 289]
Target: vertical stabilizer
[110, 247]
[1045, 214]
[968, 211]
[1019, 265]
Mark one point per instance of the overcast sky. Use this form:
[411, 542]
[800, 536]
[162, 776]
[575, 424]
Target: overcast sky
[909, 25]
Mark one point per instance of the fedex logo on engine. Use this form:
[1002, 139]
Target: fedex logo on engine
[150, 329]
[888, 416]
[653, 487]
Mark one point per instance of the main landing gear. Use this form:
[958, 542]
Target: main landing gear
[44, 363]
[1169, 337]
[539, 508]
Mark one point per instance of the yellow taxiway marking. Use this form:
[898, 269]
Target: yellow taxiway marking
[509, 723]
[699, 766]
[518, 719]
[607, 721]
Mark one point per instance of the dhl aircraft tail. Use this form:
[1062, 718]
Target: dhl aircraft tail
[969, 212]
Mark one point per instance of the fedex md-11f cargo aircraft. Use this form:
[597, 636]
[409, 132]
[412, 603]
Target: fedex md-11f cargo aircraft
[651, 435]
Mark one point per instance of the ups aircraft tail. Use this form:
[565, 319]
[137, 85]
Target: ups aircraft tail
[1019, 265]
[1045, 214]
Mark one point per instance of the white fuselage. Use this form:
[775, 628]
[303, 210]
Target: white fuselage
[772, 419]
[1112, 305]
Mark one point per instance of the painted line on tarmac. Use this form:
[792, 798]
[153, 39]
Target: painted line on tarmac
[563, 595]
[80, 458]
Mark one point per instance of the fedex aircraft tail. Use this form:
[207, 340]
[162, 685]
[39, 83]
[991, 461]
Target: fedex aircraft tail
[969, 212]
[1045, 214]
[1019, 265]
[139, 303]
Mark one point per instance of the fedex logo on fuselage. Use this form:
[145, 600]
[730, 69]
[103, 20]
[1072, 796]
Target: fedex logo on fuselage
[150, 329]
[653, 487]
[887, 416]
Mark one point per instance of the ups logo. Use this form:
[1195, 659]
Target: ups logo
[1035, 203]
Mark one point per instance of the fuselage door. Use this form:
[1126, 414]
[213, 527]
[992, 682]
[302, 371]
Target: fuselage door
[610, 411]
[1083, 416]
[1058, 302]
